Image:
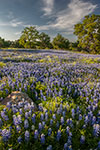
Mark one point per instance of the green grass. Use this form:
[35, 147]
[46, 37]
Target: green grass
[2, 64]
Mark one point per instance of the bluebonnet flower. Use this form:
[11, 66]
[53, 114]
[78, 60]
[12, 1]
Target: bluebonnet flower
[57, 124]
[67, 129]
[42, 117]
[50, 111]
[98, 119]
[90, 115]
[19, 139]
[21, 111]
[46, 116]
[99, 145]
[15, 120]
[51, 121]
[42, 138]
[64, 113]
[9, 105]
[40, 126]
[61, 107]
[56, 105]
[49, 131]
[6, 134]
[19, 119]
[4, 116]
[26, 124]
[69, 141]
[69, 122]
[96, 129]
[65, 146]
[54, 117]
[44, 98]
[93, 120]
[59, 111]
[33, 118]
[36, 134]
[80, 117]
[77, 109]
[58, 135]
[40, 107]
[18, 128]
[33, 127]
[98, 113]
[26, 115]
[43, 124]
[20, 104]
[62, 120]
[14, 109]
[86, 119]
[27, 135]
[30, 112]
[10, 128]
[1, 123]
[41, 93]
[25, 107]
[70, 135]
[49, 147]
[82, 139]
[32, 106]
[70, 147]
[60, 92]
[73, 112]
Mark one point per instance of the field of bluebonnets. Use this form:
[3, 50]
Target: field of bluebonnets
[66, 88]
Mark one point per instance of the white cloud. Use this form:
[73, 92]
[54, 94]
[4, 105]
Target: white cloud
[12, 23]
[67, 18]
[48, 7]
[18, 33]
[73, 14]
[16, 23]
[64, 20]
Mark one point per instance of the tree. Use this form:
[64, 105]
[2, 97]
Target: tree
[73, 45]
[1, 42]
[88, 33]
[29, 37]
[15, 44]
[7, 43]
[60, 42]
[44, 41]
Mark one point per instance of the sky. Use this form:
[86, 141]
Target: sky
[49, 16]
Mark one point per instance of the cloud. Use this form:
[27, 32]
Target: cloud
[62, 21]
[18, 33]
[16, 23]
[73, 14]
[12, 23]
[48, 7]
[67, 18]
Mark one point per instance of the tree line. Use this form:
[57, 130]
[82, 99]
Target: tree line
[31, 38]
[87, 31]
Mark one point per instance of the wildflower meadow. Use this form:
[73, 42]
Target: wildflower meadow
[65, 87]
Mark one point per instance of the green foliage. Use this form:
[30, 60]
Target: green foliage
[44, 41]
[59, 42]
[4, 43]
[2, 64]
[88, 33]
[16, 44]
[1, 42]
[90, 60]
[73, 45]
[29, 37]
